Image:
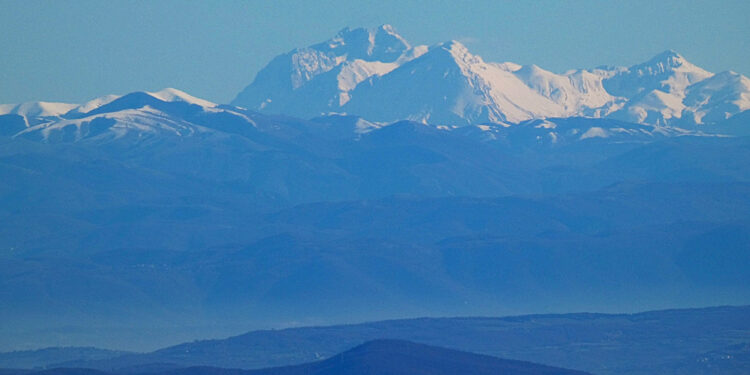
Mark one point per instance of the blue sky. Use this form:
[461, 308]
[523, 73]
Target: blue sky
[76, 50]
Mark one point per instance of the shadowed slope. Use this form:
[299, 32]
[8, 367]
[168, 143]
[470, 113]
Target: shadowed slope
[395, 357]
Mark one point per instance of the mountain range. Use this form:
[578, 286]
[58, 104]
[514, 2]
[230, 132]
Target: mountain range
[363, 178]
[684, 341]
[377, 74]
[377, 357]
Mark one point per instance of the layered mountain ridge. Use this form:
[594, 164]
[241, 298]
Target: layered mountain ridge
[142, 116]
[378, 75]
[453, 186]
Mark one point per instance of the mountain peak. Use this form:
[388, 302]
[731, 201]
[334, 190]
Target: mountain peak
[358, 54]
[670, 58]
[668, 71]
[375, 73]
[382, 43]
[454, 45]
[458, 51]
[174, 95]
[669, 53]
[404, 357]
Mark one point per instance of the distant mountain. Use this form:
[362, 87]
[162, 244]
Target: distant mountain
[160, 217]
[143, 116]
[376, 74]
[48, 356]
[179, 212]
[396, 357]
[337, 156]
[324, 73]
[378, 357]
[685, 342]
[55, 371]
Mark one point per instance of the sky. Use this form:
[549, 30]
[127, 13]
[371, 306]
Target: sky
[73, 51]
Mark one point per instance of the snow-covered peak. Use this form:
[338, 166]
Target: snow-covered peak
[683, 72]
[449, 85]
[134, 100]
[728, 77]
[375, 73]
[326, 73]
[452, 54]
[459, 51]
[92, 105]
[667, 71]
[578, 92]
[668, 89]
[49, 109]
[137, 123]
[532, 69]
[454, 46]
[718, 98]
[666, 60]
[385, 42]
[382, 43]
[174, 95]
[140, 115]
[37, 109]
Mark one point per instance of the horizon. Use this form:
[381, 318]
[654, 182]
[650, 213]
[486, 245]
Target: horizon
[292, 327]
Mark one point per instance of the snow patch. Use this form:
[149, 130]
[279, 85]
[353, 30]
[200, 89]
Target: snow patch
[37, 109]
[594, 132]
[174, 95]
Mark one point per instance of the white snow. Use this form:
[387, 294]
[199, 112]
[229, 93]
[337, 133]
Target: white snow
[666, 89]
[93, 104]
[576, 92]
[377, 74]
[594, 132]
[37, 109]
[353, 73]
[174, 95]
[139, 122]
[656, 107]
[718, 97]
[508, 66]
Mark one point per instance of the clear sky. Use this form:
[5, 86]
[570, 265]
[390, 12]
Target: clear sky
[77, 50]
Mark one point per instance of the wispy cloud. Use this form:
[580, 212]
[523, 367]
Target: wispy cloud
[468, 40]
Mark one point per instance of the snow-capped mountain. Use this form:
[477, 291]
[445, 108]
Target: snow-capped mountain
[718, 97]
[579, 92]
[363, 80]
[655, 90]
[376, 74]
[165, 203]
[378, 77]
[143, 116]
[138, 114]
[322, 75]
[449, 85]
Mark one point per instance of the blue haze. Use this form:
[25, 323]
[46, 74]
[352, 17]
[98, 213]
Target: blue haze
[74, 51]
